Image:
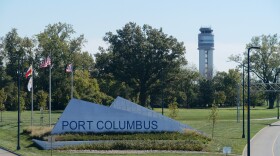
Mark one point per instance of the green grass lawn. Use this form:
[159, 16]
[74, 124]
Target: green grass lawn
[227, 131]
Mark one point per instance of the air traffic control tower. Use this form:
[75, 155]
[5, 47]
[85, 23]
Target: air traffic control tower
[206, 47]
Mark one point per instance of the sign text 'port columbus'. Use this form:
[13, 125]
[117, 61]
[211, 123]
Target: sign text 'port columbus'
[109, 125]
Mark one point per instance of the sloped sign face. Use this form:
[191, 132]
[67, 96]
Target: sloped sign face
[82, 116]
[124, 104]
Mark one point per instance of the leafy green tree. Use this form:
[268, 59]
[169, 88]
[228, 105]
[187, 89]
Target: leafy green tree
[173, 109]
[41, 98]
[137, 55]
[57, 42]
[2, 69]
[3, 98]
[264, 63]
[213, 116]
[206, 92]
[220, 97]
[185, 86]
[227, 83]
[11, 92]
[180, 85]
[257, 98]
[17, 53]
[87, 88]
[115, 88]
[83, 61]
[22, 103]
[13, 51]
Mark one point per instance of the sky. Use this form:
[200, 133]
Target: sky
[234, 22]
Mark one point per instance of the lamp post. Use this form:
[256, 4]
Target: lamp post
[161, 77]
[277, 81]
[248, 114]
[238, 103]
[18, 133]
[243, 102]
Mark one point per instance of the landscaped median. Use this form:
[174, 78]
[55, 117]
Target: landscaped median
[227, 132]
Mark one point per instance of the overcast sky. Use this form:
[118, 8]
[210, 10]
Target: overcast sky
[234, 22]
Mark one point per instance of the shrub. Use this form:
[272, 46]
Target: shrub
[37, 131]
[173, 109]
[140, 145]
[187, 135]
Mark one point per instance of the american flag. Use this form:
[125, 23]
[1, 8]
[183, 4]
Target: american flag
[69, 68]
[45, 63]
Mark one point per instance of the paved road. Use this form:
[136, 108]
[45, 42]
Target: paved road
[4, 152]
[266, 142]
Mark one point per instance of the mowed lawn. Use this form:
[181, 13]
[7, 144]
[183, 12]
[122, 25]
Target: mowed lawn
[228, 131]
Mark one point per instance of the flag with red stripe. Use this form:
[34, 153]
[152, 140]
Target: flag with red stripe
[29, 72]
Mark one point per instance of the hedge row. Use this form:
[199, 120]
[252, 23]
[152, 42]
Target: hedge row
[187, 135]
[140, 145]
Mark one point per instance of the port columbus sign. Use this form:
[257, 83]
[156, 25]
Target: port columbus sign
[121, 116]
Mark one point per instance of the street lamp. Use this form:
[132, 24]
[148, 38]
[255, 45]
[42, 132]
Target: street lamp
[161, 77]
[243, 101]
[18, 133]
[248, 115]
[278, 71]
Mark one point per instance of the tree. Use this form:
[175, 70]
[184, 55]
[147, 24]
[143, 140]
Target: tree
[206, 92]
[87, 88]
[16, 52]
[11, 92]
[187, 84]
[264, 63]
[3, 98]
[13, 51]
[213, 116]
[57, 42]
[2, 70]
[227, 83]
[220, 97]
[173, 109]
[180, 85]
[137, 55]
[41, 98]
[21, 103]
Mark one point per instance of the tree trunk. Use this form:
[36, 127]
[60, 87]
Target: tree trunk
[1, 116]
[143, 96]
[271, 98]
[213, 126]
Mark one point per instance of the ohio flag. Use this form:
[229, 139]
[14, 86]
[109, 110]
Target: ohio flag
[29, 72]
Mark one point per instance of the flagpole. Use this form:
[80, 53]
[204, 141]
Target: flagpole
[72, 75]
[32, 96]
[50, 90]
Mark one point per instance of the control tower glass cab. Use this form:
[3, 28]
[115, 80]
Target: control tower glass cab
[206, 47]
